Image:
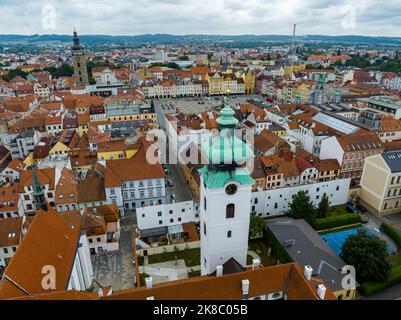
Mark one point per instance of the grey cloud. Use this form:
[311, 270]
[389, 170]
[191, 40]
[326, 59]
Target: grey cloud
[373, 17]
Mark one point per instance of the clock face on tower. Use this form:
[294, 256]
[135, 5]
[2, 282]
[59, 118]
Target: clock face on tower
[231, 189]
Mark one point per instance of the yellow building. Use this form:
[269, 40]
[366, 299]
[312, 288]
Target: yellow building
[67, 141]
[289, 70]
[216, 83]
[116, 149]
[250, 79]
[278, 130]
[381, 183]
[301, 91]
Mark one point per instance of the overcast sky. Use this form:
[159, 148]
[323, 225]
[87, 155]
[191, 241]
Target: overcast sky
[131, 17]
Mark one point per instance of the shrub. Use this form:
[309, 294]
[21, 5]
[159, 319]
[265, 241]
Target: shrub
[393, 233]
[336, 221]
[372, 287]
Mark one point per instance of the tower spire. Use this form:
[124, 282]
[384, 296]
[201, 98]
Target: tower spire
[38, 195]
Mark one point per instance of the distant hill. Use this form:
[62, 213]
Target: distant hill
[168, 38]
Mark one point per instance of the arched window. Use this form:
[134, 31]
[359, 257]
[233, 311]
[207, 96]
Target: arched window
[230, 211]
[229, 234]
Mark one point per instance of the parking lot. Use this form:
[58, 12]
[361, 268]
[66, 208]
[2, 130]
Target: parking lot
[194, 105]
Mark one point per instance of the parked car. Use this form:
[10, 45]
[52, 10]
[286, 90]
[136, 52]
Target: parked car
[170, 183]
[173, 196]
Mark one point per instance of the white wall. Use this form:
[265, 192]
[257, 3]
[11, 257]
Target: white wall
[276, 201]
[331, 149]
[148, 217]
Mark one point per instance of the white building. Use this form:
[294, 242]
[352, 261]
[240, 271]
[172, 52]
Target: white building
[11, 234]
[23, 144]
[134, 183]
[167, 215]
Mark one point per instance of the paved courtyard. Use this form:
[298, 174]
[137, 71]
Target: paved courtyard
[116, 269]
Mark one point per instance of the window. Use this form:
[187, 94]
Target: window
[159, 214]
[204, 228]
[204, 203]
[5, 250]
[93, 231]
[160, 222]
[229, 234]
[98, 239]
[230, 211]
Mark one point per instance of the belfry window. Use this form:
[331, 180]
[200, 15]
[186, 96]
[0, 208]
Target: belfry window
[230, 211]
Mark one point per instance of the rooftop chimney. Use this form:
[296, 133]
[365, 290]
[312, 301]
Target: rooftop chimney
[321, 291]
[255, 264]
[308, 272]
[219, 271]
[245, 287]
[149, 282]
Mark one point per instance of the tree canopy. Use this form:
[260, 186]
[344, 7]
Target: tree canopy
[302, 207]
[15, 73]
[65, 70]
[256, 226]
[323, 208]
[368, 254]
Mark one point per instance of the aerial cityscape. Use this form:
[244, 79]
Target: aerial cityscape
[238, 155]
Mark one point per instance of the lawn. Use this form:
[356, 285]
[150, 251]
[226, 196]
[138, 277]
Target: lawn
[338, 210]
[261, 248]
[191, 257]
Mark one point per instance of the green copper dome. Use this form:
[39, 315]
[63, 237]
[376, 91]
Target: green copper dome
[227, 117]
[226, 148]
[227, 154]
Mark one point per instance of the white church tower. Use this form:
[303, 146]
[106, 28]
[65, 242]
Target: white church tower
[225, 197]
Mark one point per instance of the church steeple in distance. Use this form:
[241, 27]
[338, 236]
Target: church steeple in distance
[38, 194]
[81, 77]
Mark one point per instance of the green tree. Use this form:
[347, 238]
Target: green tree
[302, 207]
[65, 70]
[15, 73]
[368, 254]
[256, 226]
[323, 208]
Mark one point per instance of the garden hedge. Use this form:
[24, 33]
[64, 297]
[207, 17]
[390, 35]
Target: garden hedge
[394, 277]
[393, 233]
[336, 221]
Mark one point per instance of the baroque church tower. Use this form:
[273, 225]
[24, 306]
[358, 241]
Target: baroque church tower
[226, 188]
[79, 61]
